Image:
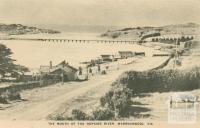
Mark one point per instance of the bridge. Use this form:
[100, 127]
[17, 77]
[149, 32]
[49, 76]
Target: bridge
[73, 40]
[88, 41]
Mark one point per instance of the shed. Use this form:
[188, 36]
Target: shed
[126, 54]
[108, 57]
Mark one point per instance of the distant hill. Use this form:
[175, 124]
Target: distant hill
[18, 29]
[136, 33]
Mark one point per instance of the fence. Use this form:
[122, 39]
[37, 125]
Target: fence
[16, 87]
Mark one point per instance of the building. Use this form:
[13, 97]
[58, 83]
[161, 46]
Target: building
[140, 53]
[126, 54]
[172, 39]
[107, 57]
[62, 70]
[185, 45]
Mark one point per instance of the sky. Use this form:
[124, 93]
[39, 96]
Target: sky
[100, 12]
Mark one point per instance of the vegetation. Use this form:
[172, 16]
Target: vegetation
[160, 80]
[7, 96]
[116, 34]
[79, 115]
[18, 29]
[192, 28]
[118, 99]
[7, 65]
[117, 102]
[113, 105]
[104, 34]
[103, 114]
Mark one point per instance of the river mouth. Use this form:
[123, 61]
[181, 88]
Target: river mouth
[33, 54]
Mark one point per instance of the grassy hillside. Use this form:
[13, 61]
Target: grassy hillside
[18, 29]
[136, 33]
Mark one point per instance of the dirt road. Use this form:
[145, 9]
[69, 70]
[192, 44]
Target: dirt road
[39, 103]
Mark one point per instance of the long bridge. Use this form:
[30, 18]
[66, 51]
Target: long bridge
[73, 40]
[88, 41]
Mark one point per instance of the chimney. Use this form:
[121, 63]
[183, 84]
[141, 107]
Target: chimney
[50, 64]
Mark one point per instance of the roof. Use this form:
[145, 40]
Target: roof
[63, 64]
[44, 69]
[107, 55]
[125, 52]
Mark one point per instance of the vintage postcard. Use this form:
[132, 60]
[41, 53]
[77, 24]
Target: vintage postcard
[99, 63]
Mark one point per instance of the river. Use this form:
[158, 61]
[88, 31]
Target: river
[35, 53]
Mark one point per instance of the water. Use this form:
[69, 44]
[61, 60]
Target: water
[35, 53]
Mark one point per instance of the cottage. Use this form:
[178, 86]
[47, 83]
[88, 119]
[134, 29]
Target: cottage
[185, 45]
[63, 69]
[140, 53]
[108, 57]
[126, 54]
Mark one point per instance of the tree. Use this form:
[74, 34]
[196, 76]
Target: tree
[7, 63]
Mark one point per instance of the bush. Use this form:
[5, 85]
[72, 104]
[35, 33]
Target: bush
[104, 35]
[3, 99]
[7, 96]
[160, 80]
[103, 114]
[79, 115]
[117, 100]
[113, 105]
[59, 117]
[116, 34]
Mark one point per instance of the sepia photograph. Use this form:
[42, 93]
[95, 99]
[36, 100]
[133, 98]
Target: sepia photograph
[99, 63]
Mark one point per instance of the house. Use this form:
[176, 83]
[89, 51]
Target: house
[62, 69]
[126, 54]
[185, 45]
[140, 53]
[96, 61]
[108, 57]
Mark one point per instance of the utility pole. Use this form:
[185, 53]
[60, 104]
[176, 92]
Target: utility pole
[176, 50]
[87, 71]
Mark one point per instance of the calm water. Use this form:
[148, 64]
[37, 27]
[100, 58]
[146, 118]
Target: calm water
[35, 53]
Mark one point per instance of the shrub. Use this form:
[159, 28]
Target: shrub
[59, 117]
[103, 114]
[104, 34]
[7, 96]
[3, 99]
[117, 100]
[116, 34]
[160, 80]
[79, 115]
